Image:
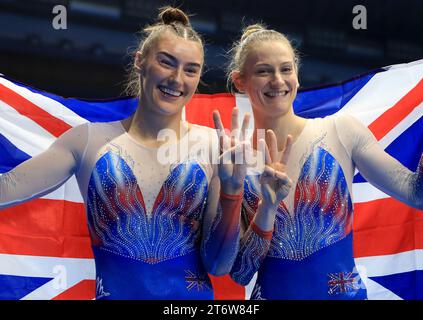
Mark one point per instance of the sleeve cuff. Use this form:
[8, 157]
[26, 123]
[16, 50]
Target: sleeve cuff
[231, 196]
[263, 234]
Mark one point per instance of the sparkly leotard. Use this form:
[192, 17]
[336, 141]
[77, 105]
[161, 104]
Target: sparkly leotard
[145, 216]
[310, 254]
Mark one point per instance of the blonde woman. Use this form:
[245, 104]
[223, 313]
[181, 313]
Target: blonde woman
[298, 244]
[157, 221]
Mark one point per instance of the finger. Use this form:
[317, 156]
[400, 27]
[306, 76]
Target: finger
[287, 150]
[269, 172]
[244, 127]
[266, 178]
[282, 177]
[220, 130]
[272, 143]
[234, 119]
[250, 158]
[264, 150]
[232, 153]
[268, 193]
[234, 126]
[218, 121]
[225, 143]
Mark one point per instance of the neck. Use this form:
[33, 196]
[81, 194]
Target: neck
[145, 125]
[282, 126]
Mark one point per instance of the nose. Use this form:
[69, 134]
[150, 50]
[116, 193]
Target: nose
[176, 76]
[277, 79]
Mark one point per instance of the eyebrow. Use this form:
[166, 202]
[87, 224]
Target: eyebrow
[269, 65]
[168, 55]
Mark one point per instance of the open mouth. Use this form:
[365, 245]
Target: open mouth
[169, 92]
[273, 94]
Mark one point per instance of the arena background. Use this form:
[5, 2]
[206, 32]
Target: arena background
[89, 58]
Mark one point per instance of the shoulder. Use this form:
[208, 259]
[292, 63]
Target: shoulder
[344, 119]
[353, 132]
[202, 129]
[334, 119]
[207, 133]
[80, 136]
[341, 123]
[116, 125]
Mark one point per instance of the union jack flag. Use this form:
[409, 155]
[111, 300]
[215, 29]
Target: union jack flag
[343, 282]
[45, 249]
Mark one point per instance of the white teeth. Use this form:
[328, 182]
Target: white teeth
[276, 94]
[170, 91]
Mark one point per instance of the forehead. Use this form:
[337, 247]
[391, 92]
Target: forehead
[272, 52]
[180, 48]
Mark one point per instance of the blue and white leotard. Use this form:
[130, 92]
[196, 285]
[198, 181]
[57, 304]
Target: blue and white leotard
[310, 255]
[145, 216]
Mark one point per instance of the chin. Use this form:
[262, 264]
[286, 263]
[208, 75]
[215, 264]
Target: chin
[275, 109]
[168, 108]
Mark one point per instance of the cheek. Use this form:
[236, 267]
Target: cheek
[192, 83]
[254, 86]
[294, 81]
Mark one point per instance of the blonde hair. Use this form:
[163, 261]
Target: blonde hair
[169, 19]
[251, 35]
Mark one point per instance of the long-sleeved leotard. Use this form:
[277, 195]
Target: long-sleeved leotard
[145, 208]
[310, 254]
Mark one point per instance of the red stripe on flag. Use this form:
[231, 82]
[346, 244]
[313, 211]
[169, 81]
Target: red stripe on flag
[200, 109]
[84, 290]
[388, 120]
[43, 227]
[28, 109]
[386, 226]
[227, 289]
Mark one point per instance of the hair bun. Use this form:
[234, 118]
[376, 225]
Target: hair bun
[170, 15]
[252, 29]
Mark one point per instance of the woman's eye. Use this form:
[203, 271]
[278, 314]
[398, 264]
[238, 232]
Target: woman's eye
[192, 71]
[262, 71]
[166, 62]
[287, 69]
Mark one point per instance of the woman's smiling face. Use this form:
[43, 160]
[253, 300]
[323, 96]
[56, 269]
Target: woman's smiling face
[269, 77]
[169, 73]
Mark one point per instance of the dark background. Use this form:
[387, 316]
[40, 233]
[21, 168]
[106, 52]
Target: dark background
[89, 58]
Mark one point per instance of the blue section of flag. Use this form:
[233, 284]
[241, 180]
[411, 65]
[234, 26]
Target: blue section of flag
[406, 148]
[315, 102]
[93, 110]
[17, 287]
[10, 155]
[102, 111]
[407, 285]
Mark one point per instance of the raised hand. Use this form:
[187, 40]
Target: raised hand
[233, 146]
[275, 183]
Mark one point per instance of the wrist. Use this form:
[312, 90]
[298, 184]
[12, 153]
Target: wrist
[265, 234]
[268, 206]
[231, 189]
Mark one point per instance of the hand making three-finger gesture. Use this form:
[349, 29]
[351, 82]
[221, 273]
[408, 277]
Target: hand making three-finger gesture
[233, 149]
[274, 181]
[275, 184]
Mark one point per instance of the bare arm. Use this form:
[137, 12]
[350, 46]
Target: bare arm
[45, 172]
